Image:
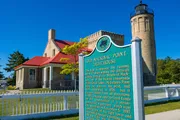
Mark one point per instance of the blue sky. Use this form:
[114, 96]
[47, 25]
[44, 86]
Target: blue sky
[24, 23]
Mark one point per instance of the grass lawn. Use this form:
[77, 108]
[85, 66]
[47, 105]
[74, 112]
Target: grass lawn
[156, 108]
[2, 91]
[72, 118]
[69, 117]
[37, 89]
[30, 91]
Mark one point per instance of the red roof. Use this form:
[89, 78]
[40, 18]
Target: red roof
[35, 61]
[63, 43]
[40, 61]
[60, 55]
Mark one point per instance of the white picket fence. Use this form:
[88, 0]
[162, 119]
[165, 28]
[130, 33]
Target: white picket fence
[28, 105]
[39, 104]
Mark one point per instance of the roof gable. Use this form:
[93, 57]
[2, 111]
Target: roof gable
[40, 61]
[62, 43]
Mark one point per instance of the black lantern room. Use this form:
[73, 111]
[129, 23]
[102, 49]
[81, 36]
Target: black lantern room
[141, 9]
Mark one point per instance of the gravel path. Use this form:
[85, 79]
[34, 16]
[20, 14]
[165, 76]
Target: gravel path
[169, 115]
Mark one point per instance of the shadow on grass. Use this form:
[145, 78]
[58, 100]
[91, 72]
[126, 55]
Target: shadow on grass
[161, 103]
[56, 117]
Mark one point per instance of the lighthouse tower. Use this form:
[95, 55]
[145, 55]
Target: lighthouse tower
[142, 25]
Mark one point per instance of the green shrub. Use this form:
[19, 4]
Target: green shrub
[11, 87]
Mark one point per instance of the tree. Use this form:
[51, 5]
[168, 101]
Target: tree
[1, 74]
[73, 66]
[14, 60]
[168, 71]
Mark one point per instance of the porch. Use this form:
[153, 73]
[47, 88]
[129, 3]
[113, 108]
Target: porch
[52, 79]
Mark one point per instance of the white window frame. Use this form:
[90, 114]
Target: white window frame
[34, 74]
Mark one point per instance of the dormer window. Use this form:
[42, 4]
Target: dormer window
[45, 54]
[54, 52]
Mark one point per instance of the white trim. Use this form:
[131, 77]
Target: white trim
[51, 64]
[50, 75]
[90, 53]
[25, 66]
[111, 41]
[45, 77]
[137, 79]
[108, 45]
[81, 87]
[51, 72]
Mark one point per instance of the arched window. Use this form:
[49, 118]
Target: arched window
[147, 24]
[140, 24]
[135, 25]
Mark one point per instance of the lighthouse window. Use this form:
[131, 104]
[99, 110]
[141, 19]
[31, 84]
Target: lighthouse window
[140, 24]
[146, 24]
[134, 25]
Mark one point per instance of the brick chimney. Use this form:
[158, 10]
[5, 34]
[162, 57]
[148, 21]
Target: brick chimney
[51, 34]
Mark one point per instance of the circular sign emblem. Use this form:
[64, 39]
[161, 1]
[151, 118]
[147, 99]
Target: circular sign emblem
[103, 43]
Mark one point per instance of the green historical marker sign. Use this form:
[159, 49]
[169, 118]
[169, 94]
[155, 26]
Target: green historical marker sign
[107, 91]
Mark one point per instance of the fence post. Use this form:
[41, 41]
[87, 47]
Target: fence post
[167, 92]
[65, 102]
[177, 93]
[2, 104]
